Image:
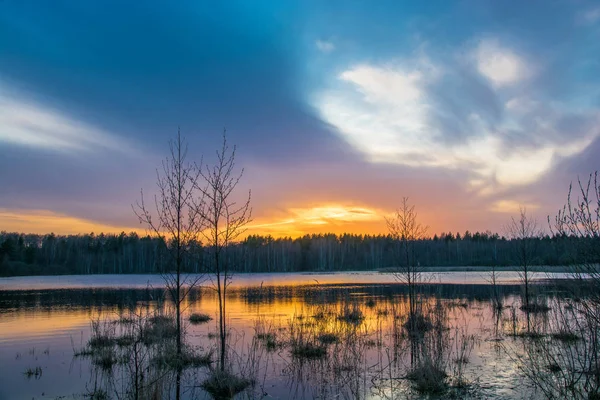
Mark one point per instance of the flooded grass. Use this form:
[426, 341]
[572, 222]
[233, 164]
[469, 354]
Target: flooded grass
[428, 379]
[308, 350]
[198, 318]
[168, 358]
[328, 338]
[565, 336]
[329, 345]
[33, 372]
[222, 385]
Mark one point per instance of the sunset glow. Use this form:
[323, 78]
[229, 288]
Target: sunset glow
[334, 123]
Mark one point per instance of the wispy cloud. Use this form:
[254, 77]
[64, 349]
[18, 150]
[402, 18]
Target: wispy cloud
[45, 221]
[511, 206]
[500, 65]
[324, 217]
[391, 113]
[325, 46]
[591, 16]
[25, 122]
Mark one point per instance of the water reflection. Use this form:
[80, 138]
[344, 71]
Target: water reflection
[312, 341]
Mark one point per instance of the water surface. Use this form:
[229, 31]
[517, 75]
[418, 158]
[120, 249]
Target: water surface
[44, 320]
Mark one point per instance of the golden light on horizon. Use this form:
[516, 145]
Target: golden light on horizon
[511, 206]
[293, 222]
[45, 221]
[323, 218]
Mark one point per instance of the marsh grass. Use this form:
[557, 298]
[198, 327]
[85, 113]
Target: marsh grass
[328, 338]
[222, 385]
[199, 318]
[168, 358]
[105, 358]
[97, 394]
[351, 314]
[124, 340]
[33, 372]
[428, 378]
[418, 324]
[269, 340]
[158, 328]
[534, 308]
[308, 350]
[103, 334]
[336, 349]
[565, 336]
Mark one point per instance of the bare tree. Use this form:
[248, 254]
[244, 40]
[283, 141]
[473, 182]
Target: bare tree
[178, 222]
[580, 218]
[567, 364]
[226, 219]
[405, 229]
[525, 233]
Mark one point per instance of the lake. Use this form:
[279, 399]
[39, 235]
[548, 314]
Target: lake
[357, 318]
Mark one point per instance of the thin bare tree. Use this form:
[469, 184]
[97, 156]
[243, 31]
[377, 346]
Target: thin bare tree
[525, 233]
[406, 230]
[177, 221]
[226, 218]
[580, 218]
[568, 364]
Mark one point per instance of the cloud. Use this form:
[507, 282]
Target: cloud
[325, 46]
[45, 221]
[500, 65]
[24, 122]
[417, 114]
[591, 16]
[511, 206]
[326, 217]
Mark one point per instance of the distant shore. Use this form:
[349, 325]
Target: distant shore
[510, 268]
[427, 269]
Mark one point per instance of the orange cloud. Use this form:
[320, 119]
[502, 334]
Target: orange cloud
[324, 218]
[44, 221]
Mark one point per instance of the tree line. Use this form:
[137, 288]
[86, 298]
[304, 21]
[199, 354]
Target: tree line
[33, 254]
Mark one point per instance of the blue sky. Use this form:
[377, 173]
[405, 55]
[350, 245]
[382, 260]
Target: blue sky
[338, 108]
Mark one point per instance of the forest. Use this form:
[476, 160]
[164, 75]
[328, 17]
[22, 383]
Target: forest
[31, 254]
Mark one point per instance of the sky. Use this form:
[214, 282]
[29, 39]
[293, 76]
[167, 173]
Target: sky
[338, 109]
